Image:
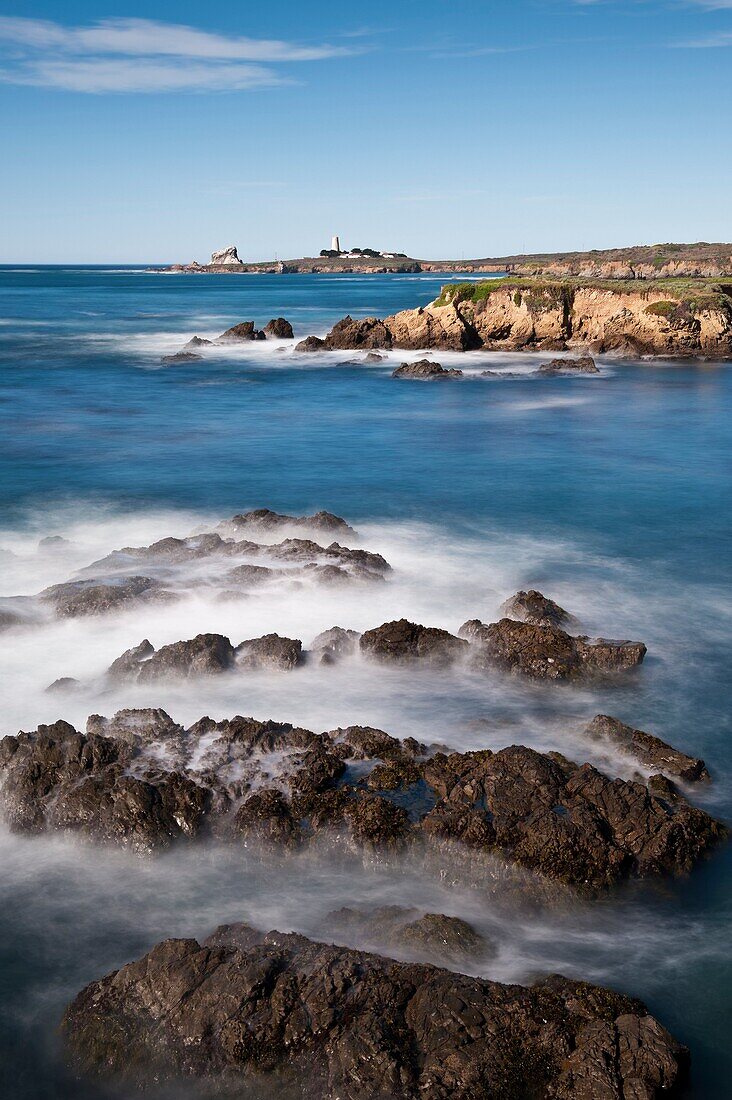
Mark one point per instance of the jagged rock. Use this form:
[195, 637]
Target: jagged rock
[128, 663]
[89, 597]
[649, 750]
[267, 520]
[367, 332]
[584, 365]
[547, 652]
[311, 343]
[198, 342]
[225, 257]
[332, 644]
[424, 368]
[279, 329]
[270, 651]
[252, 575]
[330, 1021]
[533, 607]
[205, 654]
[181, 357]
[428, 937]
[402, 641]
[135, 725]
[63, 685]
[238, 333]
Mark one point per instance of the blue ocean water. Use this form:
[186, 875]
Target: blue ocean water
[615, 487]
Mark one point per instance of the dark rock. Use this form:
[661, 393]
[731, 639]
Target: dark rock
[252, 575]
[198, 342]
[368, 332]
[428, 937]
[533, 607]
[402, 641]
[181, 357]
[279, 329]
[649, 750]
[128, 663]
[330, 1021]
[90, 597]
[424, 368]
[63, 685]
[269, 652]
[311, 343]
[205, 654]
[584, 365]
[547, 652]
[267, 520]
[335, 642]
[238, 333]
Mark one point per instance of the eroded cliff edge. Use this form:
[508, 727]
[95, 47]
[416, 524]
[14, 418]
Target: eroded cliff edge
[674, 317]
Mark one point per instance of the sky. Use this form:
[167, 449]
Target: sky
[157, 131]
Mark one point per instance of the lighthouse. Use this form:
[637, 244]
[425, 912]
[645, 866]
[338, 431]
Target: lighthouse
[335, 244]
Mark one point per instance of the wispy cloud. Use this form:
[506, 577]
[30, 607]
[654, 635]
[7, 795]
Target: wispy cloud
[143, 55]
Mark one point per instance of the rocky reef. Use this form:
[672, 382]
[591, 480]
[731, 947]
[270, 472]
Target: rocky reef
[673, 317]
[331, 1021]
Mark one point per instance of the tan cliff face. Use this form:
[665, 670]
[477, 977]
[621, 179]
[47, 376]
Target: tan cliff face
[668, 320]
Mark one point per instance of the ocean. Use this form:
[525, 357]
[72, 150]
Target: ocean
[610, 493]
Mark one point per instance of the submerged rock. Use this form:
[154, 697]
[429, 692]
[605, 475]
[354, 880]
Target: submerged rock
[533, 607]
[584, 365]
[330, 1021]
[332, 644]
[311, 343]
[402, 641]
[424, 368]
[181, 357]
[649, 750]
[428, 937]
[198, 342]
[547, 652]
[63, 685]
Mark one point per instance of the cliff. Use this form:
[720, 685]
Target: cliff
[672, 317]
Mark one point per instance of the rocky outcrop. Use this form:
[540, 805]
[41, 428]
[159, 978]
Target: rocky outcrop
[226, 257]
[332, 644]
[269, 652]
[75, 598]
[422, 937]
[264, 519]
[666, 319]
[330, 1021]
[404, 642]
[240, 333]
[278, 329]
[311, 343]
[647, 749]
[546, 652]
[206, 654]
[424, 369]
[533, 607]
[140, 780]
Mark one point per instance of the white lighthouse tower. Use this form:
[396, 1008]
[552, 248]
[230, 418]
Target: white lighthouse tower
[335, 244]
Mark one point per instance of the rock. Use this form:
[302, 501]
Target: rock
[365, 333]
[332, 644]
[205, 654]
[198, 342]
[279, 329]
[329, 1021]
[649, 750]
[269, 652]
[533, 607]
[311, 343]
[374, 357]
[128, 663]
[181, 357]
[89, 597]
[238, 333]
[63, 685]
[402, 641]
[53, 542]
[253, 575]
[428, 937]
[228, 257]
[265, 519]
[584, 365]
[10, 619]
[424, 368]
[547, 652]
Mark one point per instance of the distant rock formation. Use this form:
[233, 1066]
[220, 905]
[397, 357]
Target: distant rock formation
[225, 256]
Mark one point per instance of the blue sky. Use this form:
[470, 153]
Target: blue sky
[159, 131]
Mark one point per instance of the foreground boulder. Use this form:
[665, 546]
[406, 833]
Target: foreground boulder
[424, 369]
[328, 1021]
[547, 652]
[533, 607]
[278, 329]
[401, 641]
[649, 750]
[142, 780]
